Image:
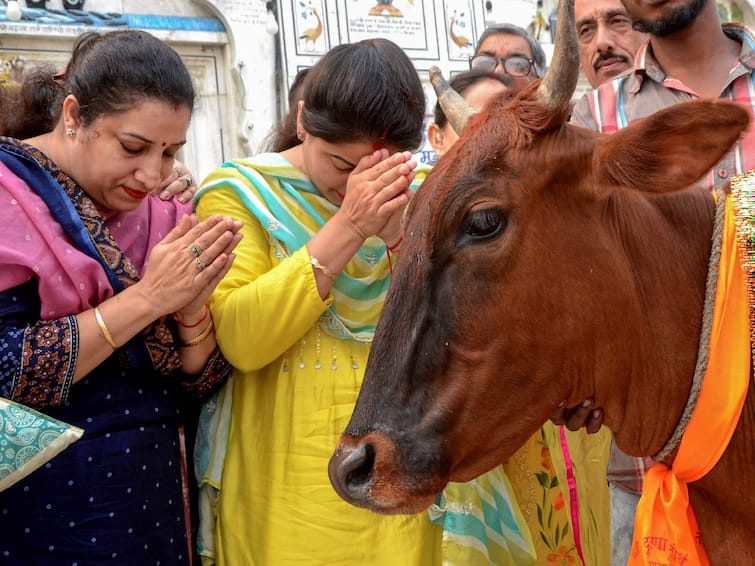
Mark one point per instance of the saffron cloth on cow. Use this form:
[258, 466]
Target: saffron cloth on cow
[666, 530]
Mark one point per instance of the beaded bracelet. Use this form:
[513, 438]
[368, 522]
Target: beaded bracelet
[182, 324]
[199, 339]
[317, 265]
[104, 329]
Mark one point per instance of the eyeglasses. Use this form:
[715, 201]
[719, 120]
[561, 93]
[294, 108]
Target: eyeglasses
[516, 66]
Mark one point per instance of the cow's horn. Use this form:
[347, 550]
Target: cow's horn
[560, 81]
[454, 106]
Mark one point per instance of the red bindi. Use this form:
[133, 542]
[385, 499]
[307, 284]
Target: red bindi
[165, 143]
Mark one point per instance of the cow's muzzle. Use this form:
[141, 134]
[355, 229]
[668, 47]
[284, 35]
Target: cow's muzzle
[366, 472]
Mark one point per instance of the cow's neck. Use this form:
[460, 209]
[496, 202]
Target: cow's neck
[670, 257]
[716, 257]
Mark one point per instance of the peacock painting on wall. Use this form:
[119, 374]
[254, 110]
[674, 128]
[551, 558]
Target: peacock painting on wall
[460, 31]
[310, 27]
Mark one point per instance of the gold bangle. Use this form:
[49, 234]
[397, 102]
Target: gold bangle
[198, 339]
[327, 272]
[103, 329]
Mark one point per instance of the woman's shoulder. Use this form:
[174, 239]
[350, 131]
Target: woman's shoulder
[265, 159]
[263, 171]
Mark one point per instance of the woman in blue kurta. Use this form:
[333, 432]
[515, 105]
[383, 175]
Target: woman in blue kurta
[92, 265]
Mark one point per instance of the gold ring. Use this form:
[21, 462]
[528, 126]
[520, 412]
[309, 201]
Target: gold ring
[189, 180]
[195, 250]
[200, 264]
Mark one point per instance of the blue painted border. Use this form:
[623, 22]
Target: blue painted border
[150, 21]
[113, 20]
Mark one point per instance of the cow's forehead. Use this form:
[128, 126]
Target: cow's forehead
[501, 138]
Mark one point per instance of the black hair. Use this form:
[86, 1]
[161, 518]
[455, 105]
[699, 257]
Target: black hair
[284, 135]
[463, 81]
[368, 90]
[25, 108]
[107, 73]
[296, 90]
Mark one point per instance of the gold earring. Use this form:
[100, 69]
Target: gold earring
[300, 134]
[70, 132]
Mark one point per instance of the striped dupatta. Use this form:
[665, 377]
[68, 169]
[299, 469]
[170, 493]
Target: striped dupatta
[291, 210]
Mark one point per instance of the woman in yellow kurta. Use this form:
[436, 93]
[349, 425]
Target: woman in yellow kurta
[293, 390]
[295, 317]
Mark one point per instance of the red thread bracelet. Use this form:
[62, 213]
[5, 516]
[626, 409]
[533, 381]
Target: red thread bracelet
[182, 324]
[395, 246]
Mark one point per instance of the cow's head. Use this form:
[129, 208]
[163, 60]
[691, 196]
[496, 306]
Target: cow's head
[530, 257]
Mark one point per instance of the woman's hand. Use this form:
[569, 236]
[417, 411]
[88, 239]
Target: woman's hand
[188, 263]
[180, 182]
[377, 192]
[182, 271]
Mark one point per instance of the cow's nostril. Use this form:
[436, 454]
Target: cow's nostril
[352, 472]
[357, 467]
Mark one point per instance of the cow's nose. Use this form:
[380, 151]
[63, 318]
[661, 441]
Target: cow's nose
[350, 472]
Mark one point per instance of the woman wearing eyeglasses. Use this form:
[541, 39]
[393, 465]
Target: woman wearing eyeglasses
[510, 50]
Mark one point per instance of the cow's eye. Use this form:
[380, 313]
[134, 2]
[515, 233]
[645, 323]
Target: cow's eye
[484, 223]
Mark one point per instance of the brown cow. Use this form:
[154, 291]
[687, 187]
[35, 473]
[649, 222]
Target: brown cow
[544, 262]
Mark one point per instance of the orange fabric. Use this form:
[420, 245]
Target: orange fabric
[665, 529]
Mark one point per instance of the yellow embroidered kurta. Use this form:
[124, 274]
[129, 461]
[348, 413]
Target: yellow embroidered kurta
[277, 505]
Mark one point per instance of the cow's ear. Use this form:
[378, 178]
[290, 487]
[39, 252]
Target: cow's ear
[672, 148]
